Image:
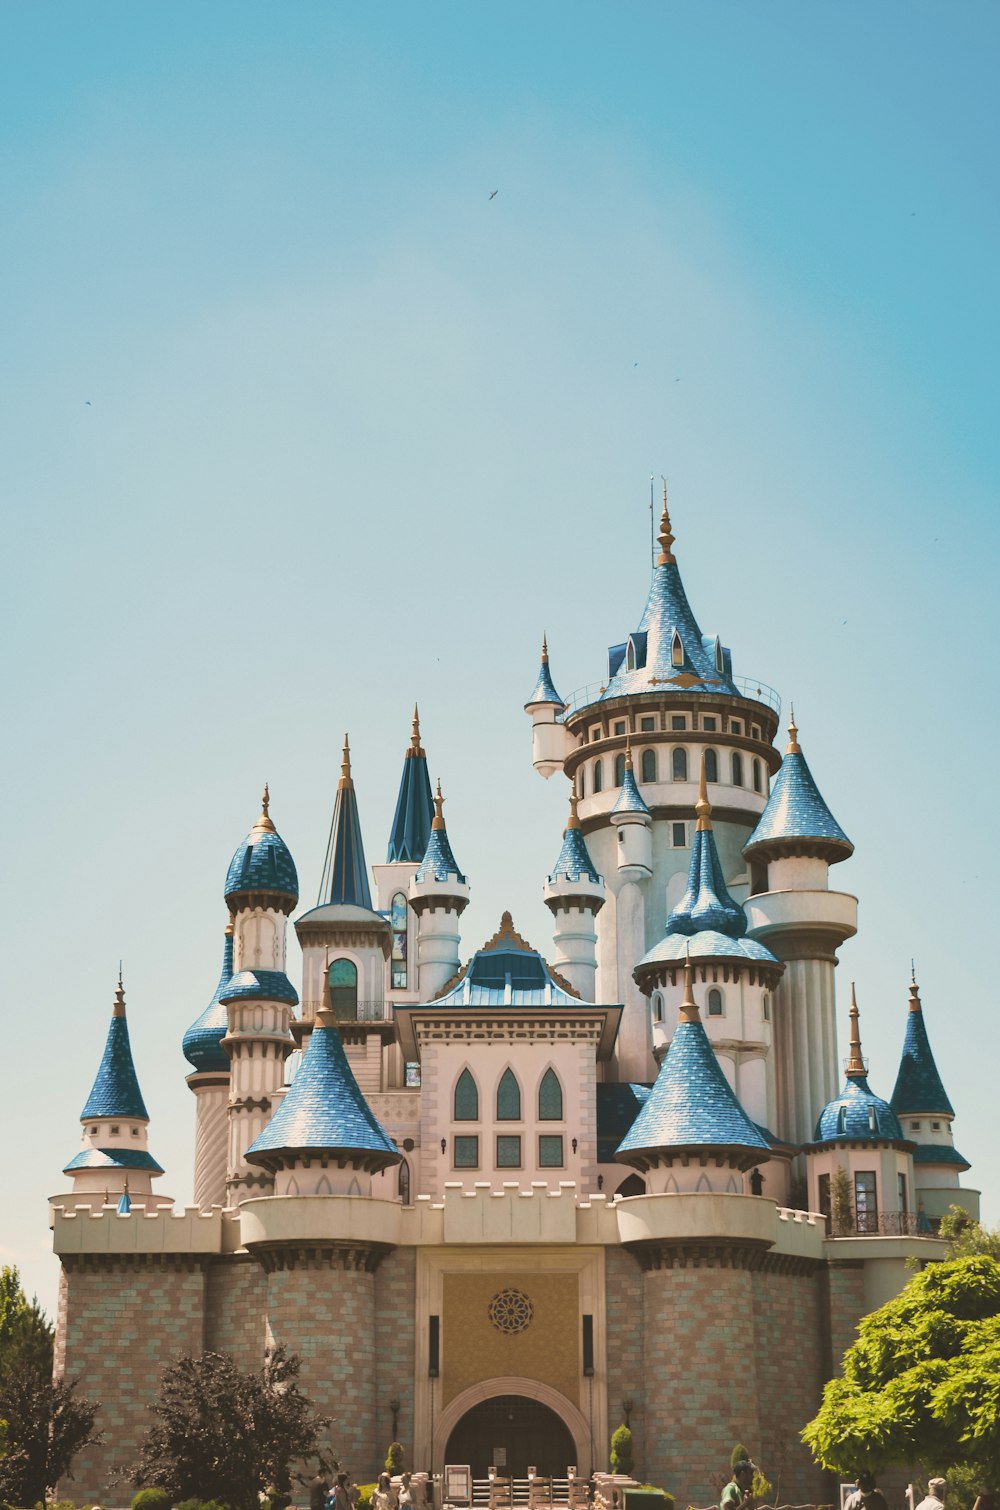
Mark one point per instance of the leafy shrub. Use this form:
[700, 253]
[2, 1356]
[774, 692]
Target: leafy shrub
[621, 1450]
[365, 1492]
[151, 1499]
[394, 1458]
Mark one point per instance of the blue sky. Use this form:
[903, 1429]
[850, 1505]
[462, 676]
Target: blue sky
[299, 425]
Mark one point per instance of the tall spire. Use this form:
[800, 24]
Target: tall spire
[706, 904]
[115, 1092]
[544, 690]
[345, 874]
[438, 823]
[703, 808]
[411, 825]
[919, 1087]
[666, 539]
[855, 1063]
[264, 824]
[688, 1008]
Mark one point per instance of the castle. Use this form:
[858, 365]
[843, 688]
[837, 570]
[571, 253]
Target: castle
[498, 1206]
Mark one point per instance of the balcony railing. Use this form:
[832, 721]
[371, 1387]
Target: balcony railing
[747, 686]
[879, 1224]
[364, 1011]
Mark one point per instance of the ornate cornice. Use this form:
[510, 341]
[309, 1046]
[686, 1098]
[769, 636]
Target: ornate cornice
[358, 1258]
[718, 1254]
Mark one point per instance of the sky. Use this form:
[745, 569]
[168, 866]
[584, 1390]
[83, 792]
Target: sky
[298, 425]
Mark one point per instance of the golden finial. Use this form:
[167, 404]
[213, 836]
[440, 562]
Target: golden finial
[345, 767]
[264, 822]
[118, 1010]
[438, 810]
[666, 539]
[628, 752]
[574, 818]
[703, 808]
[793, 747]
[415, 746]
[855, 1062]
[914, 989]
[545, 650]
[688, 1010]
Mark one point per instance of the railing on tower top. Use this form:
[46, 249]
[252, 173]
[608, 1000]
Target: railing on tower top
[747, 686]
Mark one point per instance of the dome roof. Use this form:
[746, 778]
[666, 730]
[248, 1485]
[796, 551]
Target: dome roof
[706, 945]
[202, 1043]
[114, 1158]
[262, 863]
[796, 820]
[263, 985]
[858, 1115]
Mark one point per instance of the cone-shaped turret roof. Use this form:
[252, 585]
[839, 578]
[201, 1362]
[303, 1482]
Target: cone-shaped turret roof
[438, 862]
[115, 1092]
[262, 863]
[411, 827]
[691, 1105]
[345, 874]
[857, 1114]
[324, 1112]
[630, 799]
[918, 1084]
[202, 1042]
[544, 691]
[706, 904]
[796, 820]
[574, 859]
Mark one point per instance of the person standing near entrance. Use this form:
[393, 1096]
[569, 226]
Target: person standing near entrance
[936, 1491]
[867, 1496]
[738, 1493]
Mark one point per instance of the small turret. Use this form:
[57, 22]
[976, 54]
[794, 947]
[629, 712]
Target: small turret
[797, 837]
[549, 742]
[439, 894]
[574, 894]
[634, 824]
[210, 1084]
[115, 1126]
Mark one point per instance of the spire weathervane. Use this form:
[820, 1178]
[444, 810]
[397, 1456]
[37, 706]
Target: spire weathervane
[793, 747]
[415, 747]
[703, 808]
[688, 1009]
[118, 1010]
[855, 1063]
[666, 539]
[264, 821]
[345, 766]
[438, 809]
[574, 819]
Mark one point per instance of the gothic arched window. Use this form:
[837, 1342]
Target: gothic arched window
[550, 1098]
[598, 776]
[649, 765]
[758, 784]
[711, 766]
[676, 650]
[715, 1002]
[399, 919]
[508, 1098]
[737, 764]
[466, 1100]
[679, 764]
[343, 980]
[581, 781]
[404, 1183]
[619, 770]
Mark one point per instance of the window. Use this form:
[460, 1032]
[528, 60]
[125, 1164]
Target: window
[679, 764]
[647, 725]
[657, 1007]
[114, 1132]
[550, 1098]
[901, 1192]
[720, 664]
[630, 657]
[649, 765]
[466, 1151]
[872, 1120]
[755, 730]
[678, 835]
[595, 733]
[581, 781]
[765, 1005]
[411, 1077]
[399, 919]
[710, 723]
[711, 766]
[598, 777]
[403, 1187]
[619, 770]
[550, 1151]
[466, 1104]
[508, 1098]
[842, 1121]
[735, 726]
[620, 726]
[93, 1131]
[343, 978]
[758, 782]
[824, 1198]
[509, 1151]
[135, 1132]
[935, 1127]
[865, 1201]
[914, 1126]
[678, 721]
[715, 1002]
[676, 650]
[737, 767]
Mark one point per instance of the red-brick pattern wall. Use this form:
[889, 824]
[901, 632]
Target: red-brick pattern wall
[846, 1284]
[125, 1320]
[789, 1354]
[624, 1341]
[395, 1349]
[236, 1294]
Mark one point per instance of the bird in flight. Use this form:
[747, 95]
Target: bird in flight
[495, 193]
[88, 403]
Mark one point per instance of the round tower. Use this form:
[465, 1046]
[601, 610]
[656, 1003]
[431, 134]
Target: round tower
[574, 894]
[408, 840]
[262, 888]
[439, 894]
[860, 1162]
[209, 1081]
[549, 744]
[794, 912]
[114, 1163]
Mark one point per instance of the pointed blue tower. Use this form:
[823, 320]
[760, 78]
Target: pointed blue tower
[411, 826]
[574, 894]
[209, 1083]
[202, 1043]
[345, 874]
[549, 745]
[439, 894]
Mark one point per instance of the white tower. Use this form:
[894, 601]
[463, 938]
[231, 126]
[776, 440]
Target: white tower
[574, 894]
[439, 894]
[209, 1081]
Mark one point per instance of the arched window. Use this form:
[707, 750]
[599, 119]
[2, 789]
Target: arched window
[581, 781]
[343, 980]
[630, 657]
[757, 776]
[657, 1007]
[711, 766]
[720, 664]
[466, 1098]
[649, 765]
[598, 776]
[679, 764]
[737, 764]
[404, 1183]
[508, 1098]
[676, 650]
[399, 917]
[633, 1184]
[619, 770]
[550, 1098]
[842, 1120]
[715, 1002]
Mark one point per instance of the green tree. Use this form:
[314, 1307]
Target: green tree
[25, 1333]
[621, 1450]
[922, 1382]
[223, 1435]
[966, 1237]
[841, 1201]
[739, 1454]
[47, 1425]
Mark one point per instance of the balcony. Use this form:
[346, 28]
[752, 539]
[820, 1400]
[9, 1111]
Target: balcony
[363, 1011]
[879, 1224]
[747, 687]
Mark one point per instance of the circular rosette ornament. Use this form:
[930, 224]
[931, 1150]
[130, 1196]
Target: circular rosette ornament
[510, 1311]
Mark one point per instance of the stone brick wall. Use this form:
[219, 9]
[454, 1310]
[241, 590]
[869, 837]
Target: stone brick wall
[235, 1296]
[124, 1320]
[790, 1366]
[321, 1305]
[624, 1343]
[395, 1349]
[846, 1302]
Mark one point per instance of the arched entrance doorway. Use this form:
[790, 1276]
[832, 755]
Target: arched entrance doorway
[518, 1431]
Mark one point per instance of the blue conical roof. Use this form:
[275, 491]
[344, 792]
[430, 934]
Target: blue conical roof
[202, 1043]
[115, 1092]
[630, 799]
[706, 905]
[439, 863]
[345, 874]
[324, 1111]
[796, 820]
[691, 1104]
[918, 1084]
[411, 827]
[574, 859]
[544, 690]
[262, 863]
